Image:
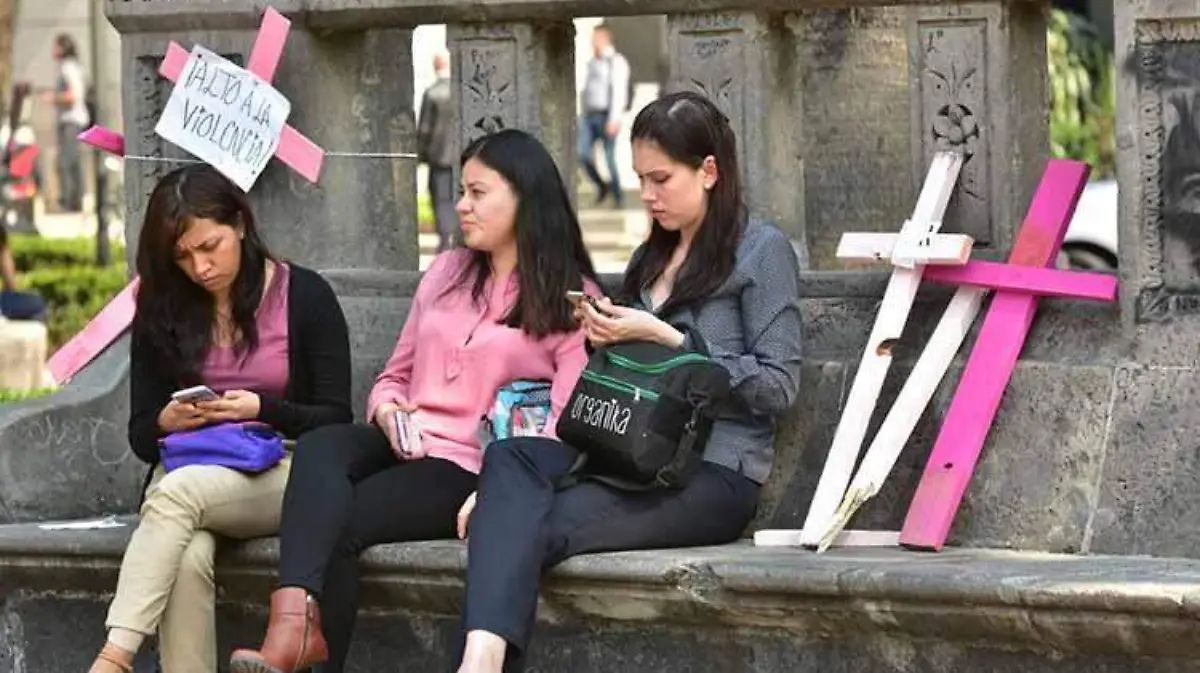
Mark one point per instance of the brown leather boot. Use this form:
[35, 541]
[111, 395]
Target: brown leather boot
[294, 641]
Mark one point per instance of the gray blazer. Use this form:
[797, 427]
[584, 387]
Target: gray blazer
[751, 325]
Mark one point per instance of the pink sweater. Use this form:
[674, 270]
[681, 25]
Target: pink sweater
[453, 356]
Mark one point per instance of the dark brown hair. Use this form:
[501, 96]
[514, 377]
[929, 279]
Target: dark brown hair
[173, 313]
[688, 128]
[551, 255]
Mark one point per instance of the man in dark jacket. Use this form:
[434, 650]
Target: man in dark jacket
[434, 149]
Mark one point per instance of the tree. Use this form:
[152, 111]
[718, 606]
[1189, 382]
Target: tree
[8, 21]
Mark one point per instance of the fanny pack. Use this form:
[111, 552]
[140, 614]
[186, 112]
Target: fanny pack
[250, 447]
[641, 414]
[519, 410]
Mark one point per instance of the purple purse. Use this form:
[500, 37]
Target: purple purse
[250, 447]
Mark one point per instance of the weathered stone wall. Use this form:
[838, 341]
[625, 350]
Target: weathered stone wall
[1064, 469]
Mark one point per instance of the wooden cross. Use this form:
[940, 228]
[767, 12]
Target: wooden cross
[1027, 277]
[295, 150]
[990, 366]
[898, 299]
[1037, 245]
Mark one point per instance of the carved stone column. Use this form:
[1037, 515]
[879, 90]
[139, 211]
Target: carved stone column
[855, 151]
[742, 62]
[349, 95]
[516, 75]
[351, 92]
[978, 85]
[1158, 58]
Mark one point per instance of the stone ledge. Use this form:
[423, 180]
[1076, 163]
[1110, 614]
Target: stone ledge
[1035, 602]
[159, 15]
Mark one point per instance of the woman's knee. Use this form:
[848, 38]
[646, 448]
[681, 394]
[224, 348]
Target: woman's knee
[542, 456]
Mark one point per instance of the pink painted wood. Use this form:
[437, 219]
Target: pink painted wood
[104, 139]
[301, 154]
[104, 329]
[989, 369]
[1032, 280]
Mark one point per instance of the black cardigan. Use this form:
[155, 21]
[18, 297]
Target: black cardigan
[318, 389]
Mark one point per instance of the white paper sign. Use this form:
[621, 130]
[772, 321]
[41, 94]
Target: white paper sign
[225, 115]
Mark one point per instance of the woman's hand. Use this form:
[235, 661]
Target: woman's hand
[606, 323]
[235, 405]
[464, 515]
[385, 419]
[177, 417]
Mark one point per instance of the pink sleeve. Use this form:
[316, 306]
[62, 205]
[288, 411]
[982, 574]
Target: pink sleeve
[391, 386]
[570, 358]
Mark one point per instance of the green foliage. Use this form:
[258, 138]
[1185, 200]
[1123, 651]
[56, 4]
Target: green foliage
[425, 212]
[35, 252]
[63, 272]
[10, 396]
[74, 295]
[1083, 98]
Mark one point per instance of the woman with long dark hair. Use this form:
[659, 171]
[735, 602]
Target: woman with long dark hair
[705, 269]
[214, 308]
[482, 317]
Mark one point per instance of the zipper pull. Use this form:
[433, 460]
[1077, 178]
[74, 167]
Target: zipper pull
[637, 394]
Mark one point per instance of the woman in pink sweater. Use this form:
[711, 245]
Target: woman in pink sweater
[482, 317]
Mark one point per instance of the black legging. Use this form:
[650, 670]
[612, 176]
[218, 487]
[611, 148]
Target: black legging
[522, 526]
[348, 491]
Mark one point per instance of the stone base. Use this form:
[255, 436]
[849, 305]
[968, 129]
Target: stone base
[22, 355]
[727, 609]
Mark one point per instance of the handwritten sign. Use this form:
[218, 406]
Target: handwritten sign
[225, 115]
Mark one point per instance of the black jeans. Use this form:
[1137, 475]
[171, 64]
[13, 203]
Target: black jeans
[522, 526]
[21, 305]
[442, 195]
[348, 491]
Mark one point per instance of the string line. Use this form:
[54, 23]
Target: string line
[352, 155]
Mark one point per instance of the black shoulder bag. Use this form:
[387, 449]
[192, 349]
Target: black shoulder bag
[641, 414]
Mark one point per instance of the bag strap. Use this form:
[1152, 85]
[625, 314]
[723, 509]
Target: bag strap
[687, 444]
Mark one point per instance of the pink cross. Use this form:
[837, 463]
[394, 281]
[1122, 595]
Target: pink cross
[303, 155]
[1005, 328]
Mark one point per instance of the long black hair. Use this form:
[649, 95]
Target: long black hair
[551, 256]
[176, 315]
[689, 128]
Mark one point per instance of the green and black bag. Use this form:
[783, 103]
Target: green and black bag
[641, 414]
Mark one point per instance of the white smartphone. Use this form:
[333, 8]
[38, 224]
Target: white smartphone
[408, 433]
[577, 298]
[194, 394]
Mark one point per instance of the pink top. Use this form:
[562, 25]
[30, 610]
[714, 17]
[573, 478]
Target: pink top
[265, 371]
[453, 356]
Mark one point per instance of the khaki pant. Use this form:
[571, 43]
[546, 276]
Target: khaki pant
[166, 582]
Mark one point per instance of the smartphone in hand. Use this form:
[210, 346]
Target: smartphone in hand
[577, 298]
[194, 394]
[408, 433]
